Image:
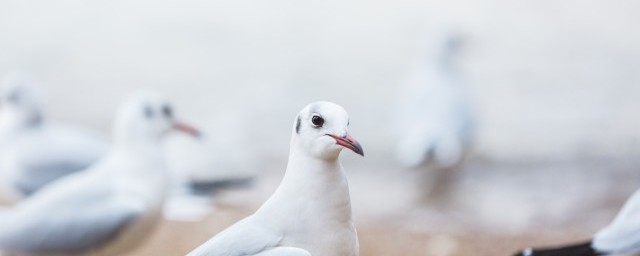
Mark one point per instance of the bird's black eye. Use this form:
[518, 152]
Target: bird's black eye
[148, 112]
[317, 120]
[167, 111]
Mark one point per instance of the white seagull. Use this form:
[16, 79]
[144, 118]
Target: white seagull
[109, 208]
[33, 151]
[433, 114]
[310, 212]
[621, 237]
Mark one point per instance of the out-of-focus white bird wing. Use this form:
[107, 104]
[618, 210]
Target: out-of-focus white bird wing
[66, 228]
[243, 238]
[623, 234]
[54, 152]
[73, 213]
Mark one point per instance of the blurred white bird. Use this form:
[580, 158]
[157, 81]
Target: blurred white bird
[433, 114]
[109, 208]
[621, 237]
[199, 170]
[310, 212]
[33, 151]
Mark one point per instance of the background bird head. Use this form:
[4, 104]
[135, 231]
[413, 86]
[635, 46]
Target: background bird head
[145, 118]
[20, 101]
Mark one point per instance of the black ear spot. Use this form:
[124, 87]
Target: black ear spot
[298, 125]
[148, 111]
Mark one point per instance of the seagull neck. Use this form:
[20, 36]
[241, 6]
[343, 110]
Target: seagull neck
[142, 173]
[313, 184]
[138, 145]
[304, 165]
[143, 153]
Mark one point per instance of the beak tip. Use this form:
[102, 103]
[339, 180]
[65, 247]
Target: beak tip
[348, 142]
[358, 150]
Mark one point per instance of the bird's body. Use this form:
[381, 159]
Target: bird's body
[310, 212]
[89, 211]
[621, 237]
[318, 217]
[297, 221]
[433, 114]
[108, 209]
[34, 151]
[33, 157]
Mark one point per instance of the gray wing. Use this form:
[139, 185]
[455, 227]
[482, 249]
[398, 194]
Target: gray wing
[69, 230]
[37, 175]
[623, 234]
[53, 152]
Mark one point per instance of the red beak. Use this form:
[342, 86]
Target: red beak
[186, 129]
[348, 142]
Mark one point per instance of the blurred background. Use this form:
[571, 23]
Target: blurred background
[552, 87]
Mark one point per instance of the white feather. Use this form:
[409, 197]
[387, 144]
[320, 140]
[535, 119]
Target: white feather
[623, 234]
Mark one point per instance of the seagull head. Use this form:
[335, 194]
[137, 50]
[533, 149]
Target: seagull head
[20, 102]
[147, 117]
[321, 130]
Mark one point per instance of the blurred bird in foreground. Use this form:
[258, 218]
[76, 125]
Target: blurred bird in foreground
[621, 237]
[109, 208]
[433, 115]
[310, 212]
[34, 151]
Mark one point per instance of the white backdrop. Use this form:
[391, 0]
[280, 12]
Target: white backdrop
[549, 79]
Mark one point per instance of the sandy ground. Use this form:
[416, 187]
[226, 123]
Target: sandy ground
[175, 238]
[468, 218]
[484, 208]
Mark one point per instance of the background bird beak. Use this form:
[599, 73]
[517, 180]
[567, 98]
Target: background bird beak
[348, 142]
[186, 129]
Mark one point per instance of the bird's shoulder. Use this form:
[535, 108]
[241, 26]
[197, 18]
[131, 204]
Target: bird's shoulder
[246, 237]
